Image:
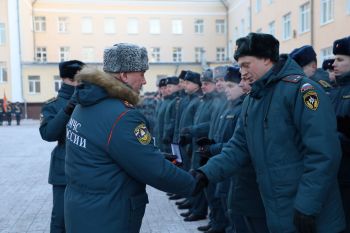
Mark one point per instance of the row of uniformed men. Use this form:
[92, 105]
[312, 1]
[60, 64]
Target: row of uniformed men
[11, 109]
[200, 112]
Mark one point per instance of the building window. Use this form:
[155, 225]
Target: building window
[326, 53]
[154, 26]
[86, 26]
[109, 25]
[40, 23]
[327, 11]
[177, 26]
[3, 74]
[198, 54]
[177, 54]
[88, 54]
[62, 24]
[198, 26]
[133, 26]
[40, 54]
[2, 33]
[272, 29]
[220, 26]
[64, 54]
[57, 82]
[242, 32]
[220, 54]
[155, 54]
[287, 29]
[257, 6]
[304, 18]
[34, 84]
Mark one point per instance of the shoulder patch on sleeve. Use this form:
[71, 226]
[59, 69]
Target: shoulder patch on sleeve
[311, 99]
[292, 78]
[51, 100]
[324, 84]
[142, 134]
[306, 87]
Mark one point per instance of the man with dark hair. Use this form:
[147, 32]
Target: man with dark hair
[287, 130]
[54, 116]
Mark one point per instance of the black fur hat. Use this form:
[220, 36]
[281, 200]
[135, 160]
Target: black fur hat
[233, 74]
[327, 64]
[182, 74]
[258, 45]
[342, 46]
[193, 77]
[172, 80]
[68, 69]
[303, 55]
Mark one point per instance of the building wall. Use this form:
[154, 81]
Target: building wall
[5, 87]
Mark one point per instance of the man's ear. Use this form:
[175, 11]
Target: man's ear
[123, 77]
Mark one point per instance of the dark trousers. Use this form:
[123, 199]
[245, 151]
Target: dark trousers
[345, 195]
[199, 204]
[57, 215]
[245, 224]
[217, 218]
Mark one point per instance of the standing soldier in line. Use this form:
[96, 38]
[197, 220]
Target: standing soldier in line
[18, 112]
[305, 56]
[55, 115]
[341, 101]
[1, 112]
[110, 152]
[159, 120]
[327, 65]
[287, 129]
[9, 110]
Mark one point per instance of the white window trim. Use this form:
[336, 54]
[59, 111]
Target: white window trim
[199, 27]
[106, 29]
[220, 25]
[290, 27]
[301, 21]
[133, 26]
[177, 26]
[65, 23]
[87, 22]
[321, 15]
[34, 85]
[152, 30]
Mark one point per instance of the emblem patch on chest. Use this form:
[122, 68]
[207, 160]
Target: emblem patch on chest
[142, 134]
[311, 100]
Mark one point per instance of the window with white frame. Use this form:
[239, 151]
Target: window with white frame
[220, 54]
[40, 23]
[86, 26]
[327, 11]
[155, 54]
[199, 26]
[133, 26]
[3, 73]
[34, 84]
[287, 28]
[88, 54]
[109, 25]
[62, 24]
[64, 53]
[257, 6]
[176, 26]
[177, 54]
[154, 26]
[2, 33]
[220, 26]
[40, 54]
[272, 28]
[304, 18]
[57, 82]
[198, 54]
[242, 26]
[326, 53]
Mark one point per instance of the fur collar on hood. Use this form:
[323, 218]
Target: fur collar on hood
[114, 87]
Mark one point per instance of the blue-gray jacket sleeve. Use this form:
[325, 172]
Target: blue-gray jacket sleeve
[143, 161]
[53, 123]
[322, 152]
[234, 155]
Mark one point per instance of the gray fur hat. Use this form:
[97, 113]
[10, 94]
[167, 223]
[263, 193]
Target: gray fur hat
[124, 57]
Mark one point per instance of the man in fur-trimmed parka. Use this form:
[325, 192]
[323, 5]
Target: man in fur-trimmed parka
[110, 152]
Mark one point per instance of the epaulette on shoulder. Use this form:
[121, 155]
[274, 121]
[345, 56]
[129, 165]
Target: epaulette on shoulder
[128, 105]
[51, 100]
[292, 78]
[324, 84]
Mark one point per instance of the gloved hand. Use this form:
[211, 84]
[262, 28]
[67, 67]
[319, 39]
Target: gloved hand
[343, 124]
[70, 107]
[204, 141]
[304, 223]
[184, 139]
[201, 181]
[204, 151]
[169, 156]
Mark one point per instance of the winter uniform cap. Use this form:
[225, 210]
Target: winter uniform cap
[68, 69]
[258, 45]
[328, 64]
[182, 74]
[233, 74]
[303, 55]
[219, 72]
[172, 80]
[125, 57]
[193, 77]
[162, 82]
[207, 76]
[342, 46]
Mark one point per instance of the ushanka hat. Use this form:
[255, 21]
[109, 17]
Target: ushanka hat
[233, 74]
[328, 64]
[172, 80]
[193, 77]
[259, 45]
[303, 55]
[207, 76]
[124, 57]
[68, 69]
[342, 46]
